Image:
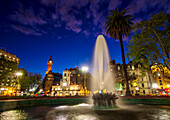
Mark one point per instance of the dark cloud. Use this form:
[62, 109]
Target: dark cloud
[113, 4]
[68, 14]
[86, 33]
[28, 16]
[143, 5]
[26, 30]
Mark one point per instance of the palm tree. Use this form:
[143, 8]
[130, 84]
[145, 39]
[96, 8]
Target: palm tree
[119, 24]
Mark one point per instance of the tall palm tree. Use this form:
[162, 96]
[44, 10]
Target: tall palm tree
[118, 25]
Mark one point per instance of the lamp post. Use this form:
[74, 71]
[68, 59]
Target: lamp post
[17, 75]
[155, 86]
[84, 69]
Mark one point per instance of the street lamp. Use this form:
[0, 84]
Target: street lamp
[84, 69]
[155, 86]
[17, 75]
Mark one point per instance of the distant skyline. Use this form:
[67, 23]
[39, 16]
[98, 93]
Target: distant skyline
[67, 30]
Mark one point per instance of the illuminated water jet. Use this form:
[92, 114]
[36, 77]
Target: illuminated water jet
[103, 82]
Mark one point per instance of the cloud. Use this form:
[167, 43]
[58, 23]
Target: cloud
[48, 2]
[26, 30]
[27, 17]
[126, 39]
[86, 33]
[142, 5]
[59, 37]
[78, 16]
[73, 24]
[113, 4]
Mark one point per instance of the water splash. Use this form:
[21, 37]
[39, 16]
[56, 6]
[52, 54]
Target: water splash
[103, 78]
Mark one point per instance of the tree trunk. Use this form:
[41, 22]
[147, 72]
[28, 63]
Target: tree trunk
[124, 66]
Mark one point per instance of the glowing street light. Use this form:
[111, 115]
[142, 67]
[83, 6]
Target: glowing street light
[137, 88]
[84, 69]
[155, 86]
[18, 74]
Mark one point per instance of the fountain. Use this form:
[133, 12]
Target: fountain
[102, 84]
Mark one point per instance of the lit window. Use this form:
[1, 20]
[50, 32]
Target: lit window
[111, 69]
[64, 84]
[13, 58]
[5, 55]
[159, 74]
[118, 68]
[139, 66]
[133, 67]
[78, 74]
[0, 53]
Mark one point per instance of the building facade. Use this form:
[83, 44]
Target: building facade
[74, 82]
[50, 79]
[161, 81]
[9, 79]
[139, 84]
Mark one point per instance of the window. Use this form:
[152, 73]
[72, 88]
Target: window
[65, 74]
[143, 91]
[142, 85]
[128, 67]
[160, 81]
[111, 69]
[139, 66]
[159, 77]
[129, 74]
[159, 74]
[118, 67]
[133, 67]
[132, 91]
[131, 85]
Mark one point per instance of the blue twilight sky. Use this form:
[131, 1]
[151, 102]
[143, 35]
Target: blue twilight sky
[66, 29]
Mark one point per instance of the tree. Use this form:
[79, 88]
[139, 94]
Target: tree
[30, 80]
[119, 24]
[7, 68]
[151, 42]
